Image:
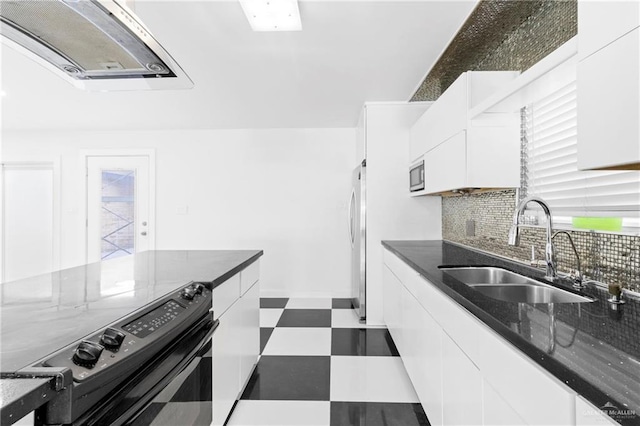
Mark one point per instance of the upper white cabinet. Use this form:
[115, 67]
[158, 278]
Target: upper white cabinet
[600, 22]
[609, 85]
[461, 151]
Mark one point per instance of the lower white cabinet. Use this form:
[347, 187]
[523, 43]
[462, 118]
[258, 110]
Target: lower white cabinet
[463, 372]
[392, 308]
[423, 348]
[461, 386]
[236, 341]
[226, 365]
[495, 410]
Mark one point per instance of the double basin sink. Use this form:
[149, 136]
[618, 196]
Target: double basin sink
[508, 286]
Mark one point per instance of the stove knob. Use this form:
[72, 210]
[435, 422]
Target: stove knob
[199, 288]
[111, 338]
[188, 293]
[87, 353]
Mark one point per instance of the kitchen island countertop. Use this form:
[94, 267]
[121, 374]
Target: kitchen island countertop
[600, 355]
[42, 314]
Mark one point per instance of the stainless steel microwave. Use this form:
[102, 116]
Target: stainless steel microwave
[416, 176]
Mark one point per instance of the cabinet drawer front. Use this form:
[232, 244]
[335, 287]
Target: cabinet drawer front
[535, 395]
[249, 276]
[226, 295]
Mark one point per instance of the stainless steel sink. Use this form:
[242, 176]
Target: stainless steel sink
[501, 284]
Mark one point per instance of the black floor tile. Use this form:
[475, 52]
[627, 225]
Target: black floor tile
[265, 333]
[341, 304]
[305, 318]
[362, 342]
[377, 414]
[302, 378]
[273, 302]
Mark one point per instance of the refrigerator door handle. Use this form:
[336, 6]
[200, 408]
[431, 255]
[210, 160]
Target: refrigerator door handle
[352, 203]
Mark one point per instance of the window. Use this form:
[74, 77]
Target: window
[605, 200]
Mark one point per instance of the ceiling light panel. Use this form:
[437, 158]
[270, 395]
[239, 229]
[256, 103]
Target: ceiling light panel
[272, 15]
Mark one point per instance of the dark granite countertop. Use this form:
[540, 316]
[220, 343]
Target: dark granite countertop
[596, 350]
[42, 314]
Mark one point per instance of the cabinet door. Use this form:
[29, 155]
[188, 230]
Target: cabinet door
[609, 105]
[520, 381]
[423, 355]
[448, 115]
[445, 166]
[249, 331]
[392, 305]
[419, 133]
[226, 366]
[495, 410]
[461, 386]
[600, 22]
[493, 157]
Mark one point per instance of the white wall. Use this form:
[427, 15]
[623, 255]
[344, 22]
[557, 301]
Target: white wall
[284, 191]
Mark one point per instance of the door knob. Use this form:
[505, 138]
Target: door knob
[143, 233]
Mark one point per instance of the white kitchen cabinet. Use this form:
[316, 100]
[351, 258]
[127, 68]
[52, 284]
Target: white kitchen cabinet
[391, 214]
[600, 22]
[422, 356]
[464, 152]
[461, 386]
[608, 90]
[448, 115]
[464, 372]
[392, 305]
[249, 331]
[588, 414]
[519, 382]
[236, 341]
[496, 411]
[226, 366]
[417, 141]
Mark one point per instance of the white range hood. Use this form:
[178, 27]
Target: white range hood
[93, 44]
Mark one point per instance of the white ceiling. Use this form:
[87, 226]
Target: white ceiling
[348, 52]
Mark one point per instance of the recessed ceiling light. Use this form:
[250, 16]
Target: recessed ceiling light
[272, 15]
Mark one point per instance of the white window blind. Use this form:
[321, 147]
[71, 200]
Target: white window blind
[551, 131]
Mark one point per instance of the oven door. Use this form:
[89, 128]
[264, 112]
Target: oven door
[173, 389]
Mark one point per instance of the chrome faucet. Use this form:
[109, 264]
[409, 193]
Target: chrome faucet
[514, 237]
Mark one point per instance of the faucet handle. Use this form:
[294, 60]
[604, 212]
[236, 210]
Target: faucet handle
[576, 277]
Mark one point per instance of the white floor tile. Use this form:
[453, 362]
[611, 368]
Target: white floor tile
[270, 317]
[374, 379]
[299, 341]
[280, 413]
[347, 318]
[310, 303]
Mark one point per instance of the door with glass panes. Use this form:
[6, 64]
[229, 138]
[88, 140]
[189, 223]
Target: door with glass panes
[118, 206]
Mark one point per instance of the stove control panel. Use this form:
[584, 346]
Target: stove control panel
[131, 337]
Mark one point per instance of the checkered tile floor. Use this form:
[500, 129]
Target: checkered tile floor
[320, 366]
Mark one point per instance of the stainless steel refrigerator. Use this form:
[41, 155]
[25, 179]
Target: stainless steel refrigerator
[357, 237]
